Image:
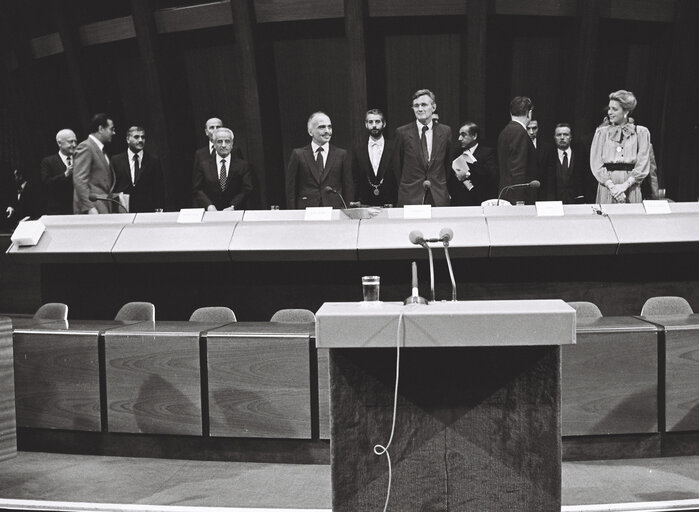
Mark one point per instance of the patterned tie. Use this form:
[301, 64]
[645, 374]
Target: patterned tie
[222, 175]
[319, 160]
[136, 168]
[69, 161]
[423, 143]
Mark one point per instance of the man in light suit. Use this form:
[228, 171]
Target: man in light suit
[92, 174]
[372, 165]
[516, 152]
[423, 153]
[223, 182]
[139, 174]
[319, 165]
[57, 175]
[475, 171]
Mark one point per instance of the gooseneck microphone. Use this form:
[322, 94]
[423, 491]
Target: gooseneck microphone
[532, 184]
[446, 235]
[415, 295]
[417, 238]
[427, 186]
[95, 197]
[333, 191]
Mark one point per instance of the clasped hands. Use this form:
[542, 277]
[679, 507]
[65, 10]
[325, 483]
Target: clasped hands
[618, 191]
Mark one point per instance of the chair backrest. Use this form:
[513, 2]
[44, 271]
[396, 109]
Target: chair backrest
[52, 311]
[585, 309]
[213, 314]
[136, 311]
[666, 305]
[297, 316]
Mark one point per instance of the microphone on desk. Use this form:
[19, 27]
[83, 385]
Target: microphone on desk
[415, 295]
[333, 191]
[427, 185]
[532, 184]
[108, 198]
[446, 235]
[416, 237]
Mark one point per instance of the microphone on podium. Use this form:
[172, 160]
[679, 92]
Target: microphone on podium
[415, 295]
[416, 237]
[532, 184]
[333, 191]
[427, 185]
[107, 198]
[446, 235]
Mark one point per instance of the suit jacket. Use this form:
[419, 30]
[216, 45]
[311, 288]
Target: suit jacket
[92, 174]
[384, 180]
[412, 170]
[206, 188]
[305, 185]
[484, 177]
[57, 187]
[518, 162]
[147, 194]
[202, 154]
[557, 185]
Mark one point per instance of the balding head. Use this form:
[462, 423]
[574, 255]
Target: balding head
[211, 126]
[66, 141]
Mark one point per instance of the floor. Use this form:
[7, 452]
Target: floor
[41, 481]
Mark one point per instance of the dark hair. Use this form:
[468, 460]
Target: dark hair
[563, 125]
[375, 112]
[472, 128]
[520, 105]
[423, 92]
[98, 121]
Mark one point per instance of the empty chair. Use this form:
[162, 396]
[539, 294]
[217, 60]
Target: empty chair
[666, 305]
[141, 311]
[585, 309]
[52, 311]
[213, 314]
[296, 316]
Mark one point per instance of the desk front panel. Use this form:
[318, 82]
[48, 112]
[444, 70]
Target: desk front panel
[8, 425]
[682, 378]
[643, 233]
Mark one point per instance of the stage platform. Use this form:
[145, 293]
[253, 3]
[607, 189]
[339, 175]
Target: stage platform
[58, 482]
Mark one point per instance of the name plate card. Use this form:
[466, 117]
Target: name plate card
[549, 208]
[318, 213]
[190, 215]
[655, 207]
[417, 211]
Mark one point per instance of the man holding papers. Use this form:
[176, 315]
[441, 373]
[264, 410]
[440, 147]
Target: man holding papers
[474, 173]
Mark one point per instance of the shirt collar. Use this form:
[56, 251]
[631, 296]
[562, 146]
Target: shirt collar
[219, 158]
[379, 142]
[429, 125]
[64, 157]
[521, 124]
[131, 154]
[211, 146]
[315, 147]
[472, 148]
[97, 141]
[561, 151]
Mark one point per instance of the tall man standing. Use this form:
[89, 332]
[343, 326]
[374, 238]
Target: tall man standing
[92, 174]
[423, 153]
[562, 177]
[57, 175]
[516, 152]
[316, 166]
[372, 167]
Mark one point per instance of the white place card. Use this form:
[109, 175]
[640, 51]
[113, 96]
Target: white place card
[417, 211]
[190, 215]
[318, 213]
[656, 206]
[28, 233]
[549, 208]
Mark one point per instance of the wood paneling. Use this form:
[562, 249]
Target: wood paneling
[259, 387]
[536, 7]
[682, 380]
[324, 392]
[384, 8]
[153, 383]
[107, 31]
[283, 10]
[639, 10]
[57, 380]
[356, 15]
[8, 426]
[193, 17]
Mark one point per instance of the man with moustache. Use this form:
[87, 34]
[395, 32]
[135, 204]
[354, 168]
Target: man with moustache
[562, 178]
[317, 166]
[372, 166]
[57, 175]
[92, 174]
[138, 174]
[223, 182]
[475, 171]
[422, 153]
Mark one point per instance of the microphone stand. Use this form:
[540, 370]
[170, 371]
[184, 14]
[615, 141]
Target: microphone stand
[330, 189]
[111, 201]
[445, 241]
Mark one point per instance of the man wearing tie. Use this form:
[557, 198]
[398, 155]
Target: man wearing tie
[138, 174]
[316, 166]
[208, 151]
[562, 178]
[57, 175]
[475, 175]
[422, 153]
[372, 167]
[223, 182]
[92, 174]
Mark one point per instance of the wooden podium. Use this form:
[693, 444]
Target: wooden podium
[478, 421]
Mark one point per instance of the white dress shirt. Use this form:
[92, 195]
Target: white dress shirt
[325, 147]
[227, 161]
[375, 152]
[560, 155]
[428, 135]
[131, 163]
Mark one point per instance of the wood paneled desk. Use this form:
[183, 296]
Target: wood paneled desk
[8, 424]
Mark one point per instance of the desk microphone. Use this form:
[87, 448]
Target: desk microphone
[446, 235]
[94, 197]
[415, 295]
[427, 185]
[333, 191]
[532, 184]
[417, 238]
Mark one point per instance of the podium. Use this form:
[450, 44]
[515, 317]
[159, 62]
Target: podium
[478, 419]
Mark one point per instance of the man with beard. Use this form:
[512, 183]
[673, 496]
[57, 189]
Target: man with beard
[139, 174]
[372, 164]
[475, 171]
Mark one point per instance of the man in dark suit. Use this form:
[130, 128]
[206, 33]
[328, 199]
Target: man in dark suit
[223, 182]
[208, 151]
[92, 174]
[372, 167]
[138, 174]
[57, 175]
[562, 173]
[475, 171]
[423, 153]
[516, 153]
[319, 165]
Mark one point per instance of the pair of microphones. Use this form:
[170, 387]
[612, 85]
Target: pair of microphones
[445, 236]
